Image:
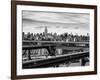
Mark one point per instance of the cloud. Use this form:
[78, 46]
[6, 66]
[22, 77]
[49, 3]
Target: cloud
[56, 17]
[33, 20]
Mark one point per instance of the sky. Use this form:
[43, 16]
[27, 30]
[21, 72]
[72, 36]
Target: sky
[59, 22]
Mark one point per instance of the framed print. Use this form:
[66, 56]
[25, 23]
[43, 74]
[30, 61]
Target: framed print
[52, 39]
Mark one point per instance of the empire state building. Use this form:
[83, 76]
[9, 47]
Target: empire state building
[46, 31]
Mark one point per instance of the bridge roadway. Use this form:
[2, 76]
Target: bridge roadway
[41, 63]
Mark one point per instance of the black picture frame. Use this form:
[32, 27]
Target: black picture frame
[14, 39]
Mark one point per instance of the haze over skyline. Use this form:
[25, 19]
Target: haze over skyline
[59, 22]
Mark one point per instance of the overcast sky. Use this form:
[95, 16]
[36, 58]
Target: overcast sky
[60, 22]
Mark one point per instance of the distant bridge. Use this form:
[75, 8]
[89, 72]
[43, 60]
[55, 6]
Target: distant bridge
[54, 43]
[60, 42]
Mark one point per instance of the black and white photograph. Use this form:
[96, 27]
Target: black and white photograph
[55, 39]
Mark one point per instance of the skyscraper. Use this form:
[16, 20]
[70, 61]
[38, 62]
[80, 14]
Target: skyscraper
[46, 31]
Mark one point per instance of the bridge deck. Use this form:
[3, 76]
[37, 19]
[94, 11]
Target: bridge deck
[42, 62]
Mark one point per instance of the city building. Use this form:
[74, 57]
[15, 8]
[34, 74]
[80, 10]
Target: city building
[46, 32]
